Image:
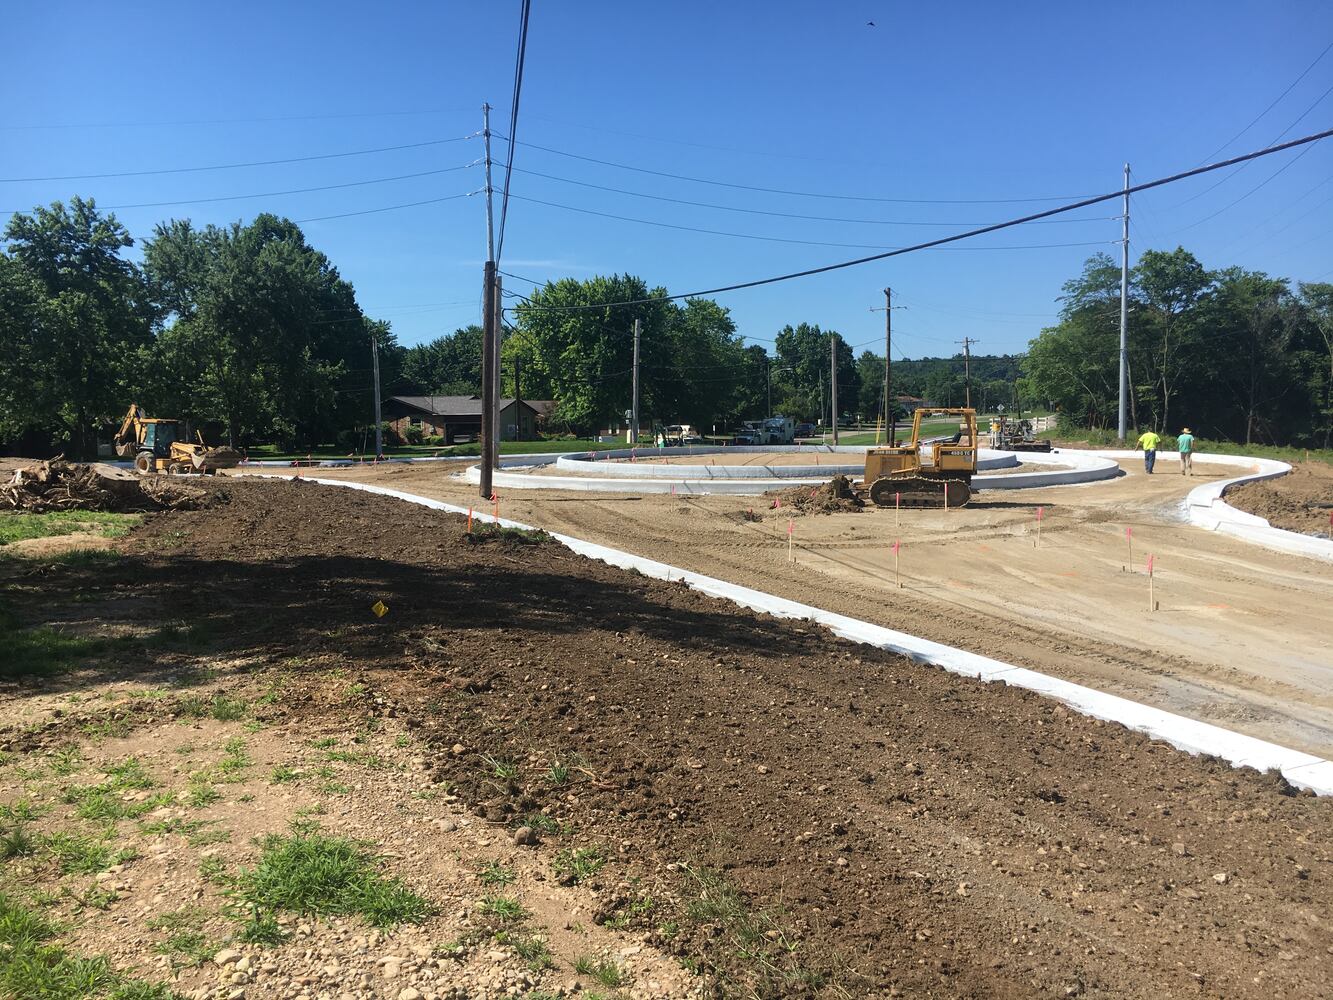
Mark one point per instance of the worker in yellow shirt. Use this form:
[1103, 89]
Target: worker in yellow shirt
[1148, 441]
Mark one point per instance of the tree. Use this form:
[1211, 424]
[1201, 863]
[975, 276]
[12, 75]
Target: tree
[1170, 285]
[263, 335]
[1256, 311]
[804, 351]
[870, 372]
[1316, 302]
[449, 365]
[74, 315]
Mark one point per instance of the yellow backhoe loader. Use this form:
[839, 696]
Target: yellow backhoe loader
[157, 446]
[899, 474]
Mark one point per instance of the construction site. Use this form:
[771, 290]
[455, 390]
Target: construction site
[682, 794]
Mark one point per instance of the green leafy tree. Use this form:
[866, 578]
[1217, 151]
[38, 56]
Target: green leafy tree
[449, 365]
[73, 316]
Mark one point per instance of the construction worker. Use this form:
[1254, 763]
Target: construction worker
[1186, 445]
[1148, 441]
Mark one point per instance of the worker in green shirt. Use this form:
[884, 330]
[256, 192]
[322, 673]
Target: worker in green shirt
[1186, 445]
[1148, 441]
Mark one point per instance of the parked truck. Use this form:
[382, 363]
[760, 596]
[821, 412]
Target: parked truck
[780, 430]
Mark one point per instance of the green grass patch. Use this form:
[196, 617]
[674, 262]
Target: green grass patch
[578, 863]
[84, 855]
[487, 532]
[529, 947]
[605, 973]
[16, 527]
[502, 909]
[42, 651]
[220, 707]
[32, 966]
[495, 874]
[323, 875]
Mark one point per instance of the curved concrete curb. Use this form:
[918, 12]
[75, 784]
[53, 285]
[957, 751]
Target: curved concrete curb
[610, 463]
[1301, 769]
[645, 477]
[1206, 508]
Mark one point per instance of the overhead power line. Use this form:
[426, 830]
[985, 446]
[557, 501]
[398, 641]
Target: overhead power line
[274, 194]
[778, 215]
[1255, 120]
[798, 194]
[230, 121]
[525, 11]
[235, 166]
[969, 234]
[390, 208]
[774, 239]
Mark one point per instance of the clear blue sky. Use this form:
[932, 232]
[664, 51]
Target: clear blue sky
[935, 102]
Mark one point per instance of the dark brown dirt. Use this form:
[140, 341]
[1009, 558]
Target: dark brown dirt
[811, 817]
[1300, 501]
[834, 497]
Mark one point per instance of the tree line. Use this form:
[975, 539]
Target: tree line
[1234, 354]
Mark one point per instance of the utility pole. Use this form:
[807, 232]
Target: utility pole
[495, 364]
[1124, 312]
[890, 423]
[967, 343]
[833, 385]
[489, 448]
[518, 394]
[634, 398]
[379, 423]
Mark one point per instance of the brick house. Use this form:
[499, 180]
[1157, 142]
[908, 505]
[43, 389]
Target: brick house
[457, 419]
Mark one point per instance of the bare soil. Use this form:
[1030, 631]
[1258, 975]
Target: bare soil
[1240, 640]
[786, 813]
[1300, 501]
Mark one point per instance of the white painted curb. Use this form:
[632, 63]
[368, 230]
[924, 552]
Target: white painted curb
[1206, 508]
[645, 477]
[1301, 769]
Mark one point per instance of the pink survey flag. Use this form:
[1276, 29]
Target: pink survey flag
[1041, 512]
[896, 546]
[1150, 564]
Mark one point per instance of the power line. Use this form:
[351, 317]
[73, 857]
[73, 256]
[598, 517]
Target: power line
[1255, 120]
[775, 239]
[779, 215]
[513, 122]
[235, 166]
[229, 121]
[969, 234]
[1262, 183]
[798, 194]
[390, 208]
[274, 194]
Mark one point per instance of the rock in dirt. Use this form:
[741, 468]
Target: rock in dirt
[525, 836]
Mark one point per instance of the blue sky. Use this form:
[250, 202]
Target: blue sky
[937, 105]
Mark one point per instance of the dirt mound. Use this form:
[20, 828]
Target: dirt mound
[834, 497]
[61, 485]
[793, 814]
[1300, 501]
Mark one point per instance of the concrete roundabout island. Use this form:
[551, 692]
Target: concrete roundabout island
[752, 470]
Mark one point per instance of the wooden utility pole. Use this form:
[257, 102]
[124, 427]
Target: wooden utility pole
[496, 342]
[833, 385]
[379, 421]
[967, 343]
[490, 450]
[634, 397]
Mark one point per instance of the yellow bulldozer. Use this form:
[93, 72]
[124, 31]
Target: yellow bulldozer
[157, 445]
[898, 474]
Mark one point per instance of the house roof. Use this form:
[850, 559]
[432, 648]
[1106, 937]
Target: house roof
[542, 406]
[450, 406]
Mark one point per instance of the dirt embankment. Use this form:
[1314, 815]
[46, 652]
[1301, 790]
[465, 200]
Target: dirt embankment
[792, 814]
[1300, 501]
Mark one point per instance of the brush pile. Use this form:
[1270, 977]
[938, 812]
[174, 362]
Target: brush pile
[61, 485]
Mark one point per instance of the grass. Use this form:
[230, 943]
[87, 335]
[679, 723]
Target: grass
[21, 527]
[1105, 438]
[484, 531]
[607, 974]
[499, 767]
[220, 707]
[41, 651]
[495, 874]
[529, 947]
[83, 855]
[578, 863]
[283, 775]
[32, 966]
[503, 909]
[324, 875]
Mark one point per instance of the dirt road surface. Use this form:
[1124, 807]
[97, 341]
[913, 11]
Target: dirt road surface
[1301, 501]
[786, 814]
[1241, 638]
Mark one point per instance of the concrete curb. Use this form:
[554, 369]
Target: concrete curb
[1206, 508]
[1301, 769]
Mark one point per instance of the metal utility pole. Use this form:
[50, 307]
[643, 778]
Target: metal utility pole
[490, 450]
[833, 385]
[967, 343]
[890, 415]
[379, 423]
[1124, 313]
[634, 399]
